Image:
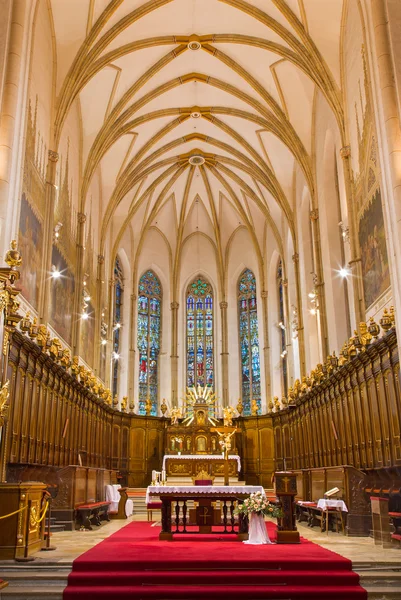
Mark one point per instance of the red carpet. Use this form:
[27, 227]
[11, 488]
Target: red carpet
[132, 563]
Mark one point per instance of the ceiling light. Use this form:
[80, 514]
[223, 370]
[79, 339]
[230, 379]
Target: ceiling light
[85, 316]
[87, 298]
[312, 311]
[56, 274]
[343, 272]
[196, 114]
[312, 294]
[103, 342]
[194, 45]
[196, 160]
[116, 356]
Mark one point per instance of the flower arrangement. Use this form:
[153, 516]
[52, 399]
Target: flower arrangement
[259, 504]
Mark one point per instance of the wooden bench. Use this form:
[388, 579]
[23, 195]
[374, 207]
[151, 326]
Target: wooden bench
[91, 511]
[395, 522]
[309, 512]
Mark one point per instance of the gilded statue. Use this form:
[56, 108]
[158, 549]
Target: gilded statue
[254, 407]
[175, 414]
[4, 395]
[124, 402]
[115, 401]
[228, 412]
[42, 336]
[65, 360]
[148, 406]
[13, 258]
[56, 349]
[270, 405]
[34, 330]
[75, 366]
[365, 336]
[225, 442]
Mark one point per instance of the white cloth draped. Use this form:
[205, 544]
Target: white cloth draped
[324, 504]
[113, 496]
[187, 490]
[257, 530]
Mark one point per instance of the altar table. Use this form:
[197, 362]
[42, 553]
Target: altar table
[188, 465]
[204, 495]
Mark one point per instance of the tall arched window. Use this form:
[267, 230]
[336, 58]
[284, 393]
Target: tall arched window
[281, 314]
[117, 318]
[200, 363]
[149, 339]
[249, 341]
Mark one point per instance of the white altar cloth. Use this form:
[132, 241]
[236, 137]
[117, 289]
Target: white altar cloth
[201, 457]
[324, 504]
[113, 496]
[187, 490]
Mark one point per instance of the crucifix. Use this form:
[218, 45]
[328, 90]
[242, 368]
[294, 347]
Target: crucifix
[225, 434]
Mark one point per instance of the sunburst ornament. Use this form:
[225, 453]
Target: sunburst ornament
[200, 395]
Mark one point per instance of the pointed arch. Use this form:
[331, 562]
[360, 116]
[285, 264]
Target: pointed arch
[149, 340]
[249, 341]
[199, 333]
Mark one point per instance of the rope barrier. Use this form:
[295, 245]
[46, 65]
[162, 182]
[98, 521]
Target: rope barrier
[14, 513]
[43, 515]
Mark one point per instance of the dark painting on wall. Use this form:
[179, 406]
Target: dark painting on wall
[30, 244]
[62, 296]
[88, 335]
[372, 240]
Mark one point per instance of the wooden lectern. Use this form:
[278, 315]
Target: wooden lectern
[286, 490]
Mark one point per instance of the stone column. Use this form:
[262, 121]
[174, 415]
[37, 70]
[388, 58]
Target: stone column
[224, 353]
[288, 334]
[301, 332]
[355, 263]
[391, 145]
[174, 353]
[110, 334]
[98, 311]
[79, 277]
[314, 217]
[9, 111]
[266, 345]
[45, 279]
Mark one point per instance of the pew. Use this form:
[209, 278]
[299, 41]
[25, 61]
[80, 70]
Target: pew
[313, 483]
[91, 511]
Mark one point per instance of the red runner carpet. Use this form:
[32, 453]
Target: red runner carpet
[133, 563]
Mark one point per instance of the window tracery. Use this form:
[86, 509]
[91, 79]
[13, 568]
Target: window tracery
[249, 341]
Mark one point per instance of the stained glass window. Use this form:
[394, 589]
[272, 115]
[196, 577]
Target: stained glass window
[149, 339]
[283, 345]
[117, 317]
[249, 341]
[200, 362]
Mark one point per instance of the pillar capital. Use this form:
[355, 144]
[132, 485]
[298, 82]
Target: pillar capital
[174, 305]
[295, 257]
[223, 304]
[314, 214]
[100, 259]
[345, 151]
[264, 293]
[81, 218]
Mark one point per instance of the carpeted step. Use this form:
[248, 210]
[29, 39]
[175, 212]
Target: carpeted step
[239, 577]
[193, 592]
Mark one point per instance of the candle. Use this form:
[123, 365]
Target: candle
[163, 476]
[153, 476]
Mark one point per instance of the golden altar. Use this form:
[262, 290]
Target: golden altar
[188, 465]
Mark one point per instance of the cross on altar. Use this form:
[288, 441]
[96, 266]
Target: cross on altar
[226, 434]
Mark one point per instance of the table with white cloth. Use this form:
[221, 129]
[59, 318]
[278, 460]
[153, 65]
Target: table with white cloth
[175, 509]
[189, 465]
[328, 506]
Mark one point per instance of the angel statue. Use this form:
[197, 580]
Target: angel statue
[228, 413]
[175, 414]
[4, 394]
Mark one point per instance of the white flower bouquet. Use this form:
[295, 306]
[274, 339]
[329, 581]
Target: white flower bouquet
[259, 504]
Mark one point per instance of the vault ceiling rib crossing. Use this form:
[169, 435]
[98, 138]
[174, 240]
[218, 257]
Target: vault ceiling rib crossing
[197, 110]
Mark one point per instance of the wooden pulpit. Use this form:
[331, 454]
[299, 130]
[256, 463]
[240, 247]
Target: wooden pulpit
[286, 490]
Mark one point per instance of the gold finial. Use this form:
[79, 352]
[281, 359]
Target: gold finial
[385, 321]
[240, 407]
[163, 407]
[13, 258]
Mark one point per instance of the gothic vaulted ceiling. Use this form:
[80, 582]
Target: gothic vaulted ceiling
[197, 114]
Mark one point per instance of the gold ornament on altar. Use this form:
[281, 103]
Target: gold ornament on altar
[4, 395]
[200, 406]
[229, 413]
[148, 407]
